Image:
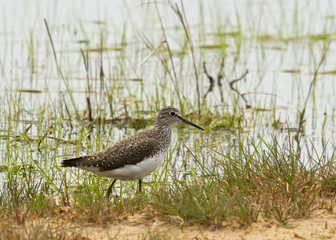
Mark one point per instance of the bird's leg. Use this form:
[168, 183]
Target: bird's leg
[140, 181]
[109, 190]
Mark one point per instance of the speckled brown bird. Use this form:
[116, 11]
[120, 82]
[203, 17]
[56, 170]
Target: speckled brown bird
[133, 157]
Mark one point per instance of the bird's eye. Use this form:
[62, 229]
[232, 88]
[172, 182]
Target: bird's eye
[172, 114]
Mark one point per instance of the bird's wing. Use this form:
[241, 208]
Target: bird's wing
[122, 153]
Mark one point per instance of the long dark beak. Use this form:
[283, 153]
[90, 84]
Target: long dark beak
[190, 123]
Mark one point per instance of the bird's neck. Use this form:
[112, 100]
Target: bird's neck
[164, 135]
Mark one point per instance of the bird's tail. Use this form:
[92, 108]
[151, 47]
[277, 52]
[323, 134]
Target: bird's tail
[73, 162]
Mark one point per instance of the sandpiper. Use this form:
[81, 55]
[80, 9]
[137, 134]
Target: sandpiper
[135, 156]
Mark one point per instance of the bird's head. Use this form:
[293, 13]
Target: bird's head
[170, 115]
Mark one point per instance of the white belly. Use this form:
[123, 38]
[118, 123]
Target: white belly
[130, 172]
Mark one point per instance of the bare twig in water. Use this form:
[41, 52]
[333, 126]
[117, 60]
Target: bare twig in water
[312, 84]
[236, 90]
[211, 80]
[220, 75]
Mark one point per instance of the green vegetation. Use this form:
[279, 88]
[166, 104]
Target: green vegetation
[255, 159]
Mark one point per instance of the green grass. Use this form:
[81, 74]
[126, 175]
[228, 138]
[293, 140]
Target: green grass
[246, 166]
